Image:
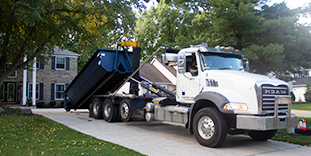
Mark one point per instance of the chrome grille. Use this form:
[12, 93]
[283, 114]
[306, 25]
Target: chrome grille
[268, 94]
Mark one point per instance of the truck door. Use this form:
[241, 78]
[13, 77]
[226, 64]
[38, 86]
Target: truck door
[189, 84]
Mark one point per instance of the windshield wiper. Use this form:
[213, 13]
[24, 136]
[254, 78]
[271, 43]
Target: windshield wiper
[223, 68]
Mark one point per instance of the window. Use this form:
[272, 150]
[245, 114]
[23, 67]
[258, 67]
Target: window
[30, 91]
[2, 92]
[60, 63]
[10, 91]
[14, 74]
[59, 91]
[39, 65]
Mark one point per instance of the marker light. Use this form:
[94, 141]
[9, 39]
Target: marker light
[236, 106]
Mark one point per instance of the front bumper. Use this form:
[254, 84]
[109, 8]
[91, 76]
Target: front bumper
[265, 122]
[249, 122]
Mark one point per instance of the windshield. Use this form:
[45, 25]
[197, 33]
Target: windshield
[220, 61]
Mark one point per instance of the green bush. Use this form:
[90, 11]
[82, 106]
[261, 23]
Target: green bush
[308, 93]
[293, 96]
[52, 103]
[40, 104]
[62, 103]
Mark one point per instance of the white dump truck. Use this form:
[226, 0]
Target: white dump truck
[215, 93]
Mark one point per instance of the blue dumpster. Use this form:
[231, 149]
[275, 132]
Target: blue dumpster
[103, 73]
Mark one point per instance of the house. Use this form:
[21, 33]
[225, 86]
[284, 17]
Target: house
[156, 72]
[51, 79]
[299, 87]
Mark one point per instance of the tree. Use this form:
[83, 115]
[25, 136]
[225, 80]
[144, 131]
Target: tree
[164, 25]
[269, 35]
[32, 28]
[308, 93]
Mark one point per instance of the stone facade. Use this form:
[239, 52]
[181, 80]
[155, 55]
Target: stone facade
[48, 77]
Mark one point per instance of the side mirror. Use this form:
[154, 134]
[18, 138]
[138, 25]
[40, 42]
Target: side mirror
[246, 64]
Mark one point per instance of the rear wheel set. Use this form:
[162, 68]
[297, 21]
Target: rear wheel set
[104, 108]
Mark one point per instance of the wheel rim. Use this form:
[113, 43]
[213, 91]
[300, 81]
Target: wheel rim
[124, 110]
[107, 110]
[206, 127]
[95, 108]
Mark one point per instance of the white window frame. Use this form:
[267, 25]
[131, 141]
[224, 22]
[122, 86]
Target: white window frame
[38, 64]
[55, 91]
[14, 74]
[56, 63]
[37, 91]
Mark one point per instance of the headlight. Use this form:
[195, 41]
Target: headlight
[236, 106]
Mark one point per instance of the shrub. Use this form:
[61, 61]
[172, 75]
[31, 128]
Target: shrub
[40, 104]
[62, 103]
[308, 93]
[293, 96]
[52, 103]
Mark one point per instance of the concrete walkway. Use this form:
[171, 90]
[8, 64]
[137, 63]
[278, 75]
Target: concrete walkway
[302, 113]
[157, 138]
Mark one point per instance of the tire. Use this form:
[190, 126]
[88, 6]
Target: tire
[262, 135]
[110, 111]
[210, 127]
[125, 110]
[97, 106]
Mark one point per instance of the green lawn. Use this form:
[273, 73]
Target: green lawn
[306, 106]
[305, 140]
[35, 135]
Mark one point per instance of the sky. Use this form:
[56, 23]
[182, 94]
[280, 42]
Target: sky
[292, 4]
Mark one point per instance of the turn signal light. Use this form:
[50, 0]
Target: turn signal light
[236, 106]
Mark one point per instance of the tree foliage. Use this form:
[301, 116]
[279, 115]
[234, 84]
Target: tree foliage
[269, 34]
[308, 93]
[32, 28]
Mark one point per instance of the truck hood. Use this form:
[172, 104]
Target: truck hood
[243, 77]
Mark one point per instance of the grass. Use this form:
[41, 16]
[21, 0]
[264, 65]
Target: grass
[306, 106]
[299, 139]
[35, 135]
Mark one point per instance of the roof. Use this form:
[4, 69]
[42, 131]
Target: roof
[168, 67]
[64, 52]
[149, 72]
[302, 80]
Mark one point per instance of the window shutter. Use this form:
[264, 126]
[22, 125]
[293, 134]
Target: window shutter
[41, 91]
[53, 62]
[67, 63]
[52, 91]
[41, 65]
[66, 86]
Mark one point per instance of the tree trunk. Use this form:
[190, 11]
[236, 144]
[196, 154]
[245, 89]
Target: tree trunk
[238, 41]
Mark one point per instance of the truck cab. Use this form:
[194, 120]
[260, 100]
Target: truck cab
[225, 98]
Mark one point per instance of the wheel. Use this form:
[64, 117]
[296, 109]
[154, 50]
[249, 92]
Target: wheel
[262, 135]
[125, 110]
[210, 127]
[110, 111]
[97, 106]
[67, 109]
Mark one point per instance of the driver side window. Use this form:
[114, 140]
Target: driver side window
[191, 65]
